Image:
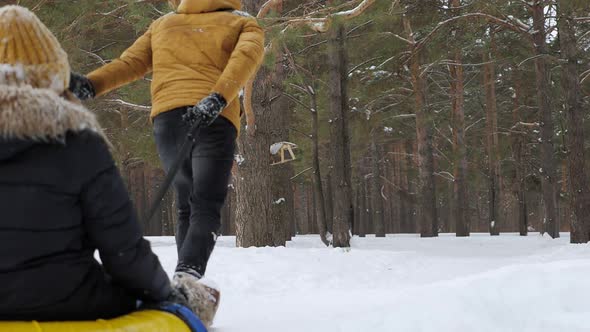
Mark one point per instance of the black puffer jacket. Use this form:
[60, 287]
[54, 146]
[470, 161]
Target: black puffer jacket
[60, 200]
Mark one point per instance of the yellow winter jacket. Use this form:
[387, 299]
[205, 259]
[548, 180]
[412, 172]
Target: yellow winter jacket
[205, 46]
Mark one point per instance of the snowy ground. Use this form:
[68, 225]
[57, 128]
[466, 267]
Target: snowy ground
[401, 283]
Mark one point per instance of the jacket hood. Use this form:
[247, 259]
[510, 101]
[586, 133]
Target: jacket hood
[29, 116]
[205, 6]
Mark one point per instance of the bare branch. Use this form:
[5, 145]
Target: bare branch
[105, 46]
[307, 107]
[103, 61]
[114, 10]
[312, 46]
[302, 172]
[299, 87]
[473, 124]
[302, 133]
[157, 10]
[551, 57]
[363, 63]
[267, 6]
[359, 27]
[323, 24]
[130, 105]
[511, 25]
[525, 124]
[403, 39]
[586, 34]
[445, 175]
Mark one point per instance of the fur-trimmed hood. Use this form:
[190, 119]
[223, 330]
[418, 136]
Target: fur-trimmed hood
[29, 116]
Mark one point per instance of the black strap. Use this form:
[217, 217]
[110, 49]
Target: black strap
[184, 150]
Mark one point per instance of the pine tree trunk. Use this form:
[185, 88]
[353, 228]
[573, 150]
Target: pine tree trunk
[369, 224]
[227, 215]
[548, 164]
[578, 180]
[426, 191]
[392, 202]
[411, 212]
[398, 175]
[376, 198]
[300, 208]
[329, 197]
[517, 151]
[319, 191]
[253, 180]
[459, 198]
[340, 143]
[281, 174]
[312, 210]
[459, 193]
[492, 145]
[362, 207]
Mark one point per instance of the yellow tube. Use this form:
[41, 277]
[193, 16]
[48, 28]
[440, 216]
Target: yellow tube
[139, 321]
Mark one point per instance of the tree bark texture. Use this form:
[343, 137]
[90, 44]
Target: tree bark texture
[518, 142]
[489, 81]
[376, 197]
[253, 179]
[459, 198]
[281, 174]
[548, 163]
[317, 175]
[340, 148]
[426, 191]
[578, 178]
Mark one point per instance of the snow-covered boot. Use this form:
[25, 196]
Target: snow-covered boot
[202, 297]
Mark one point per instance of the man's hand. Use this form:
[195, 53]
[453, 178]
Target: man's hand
[81, 86]
[207, 110]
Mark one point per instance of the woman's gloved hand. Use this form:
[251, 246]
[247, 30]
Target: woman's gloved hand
[81, 86]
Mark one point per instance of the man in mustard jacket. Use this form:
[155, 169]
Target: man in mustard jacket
[202, 54]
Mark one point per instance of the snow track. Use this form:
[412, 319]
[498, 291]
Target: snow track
[401, 283]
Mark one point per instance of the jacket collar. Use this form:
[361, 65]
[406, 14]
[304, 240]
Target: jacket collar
[206, 6]
[41, 115]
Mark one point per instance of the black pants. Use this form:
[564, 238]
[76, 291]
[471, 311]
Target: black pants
[201, 183]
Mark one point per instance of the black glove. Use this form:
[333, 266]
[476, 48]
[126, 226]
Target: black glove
[81, 86]
[207, 110]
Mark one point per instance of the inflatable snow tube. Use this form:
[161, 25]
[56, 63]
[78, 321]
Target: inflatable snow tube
[169, 318]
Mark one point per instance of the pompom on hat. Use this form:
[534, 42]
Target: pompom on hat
[29, 53]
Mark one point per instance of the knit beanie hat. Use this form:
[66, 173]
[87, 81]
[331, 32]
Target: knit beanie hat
[29, 53]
